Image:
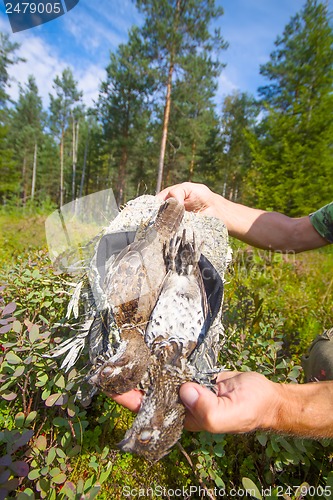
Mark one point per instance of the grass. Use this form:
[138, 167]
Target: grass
[21, 232]
[296, 287]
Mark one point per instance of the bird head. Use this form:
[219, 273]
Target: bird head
[156, 428]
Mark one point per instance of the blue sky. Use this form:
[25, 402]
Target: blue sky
[83, 38]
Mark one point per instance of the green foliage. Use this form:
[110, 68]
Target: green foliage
[124, 112]
[52, 448]
[7, 58]
[227, 151]
[25, 136]
[292, 153]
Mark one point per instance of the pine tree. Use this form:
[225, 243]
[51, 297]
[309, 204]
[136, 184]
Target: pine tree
[8, 172]
[175, 30]
[64, 108]
[192, 117]
[8, 57]
[293, 154]
[26, 135]
[124, 108]
[239, 115]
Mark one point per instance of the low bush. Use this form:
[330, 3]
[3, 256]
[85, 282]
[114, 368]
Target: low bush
[52, 448]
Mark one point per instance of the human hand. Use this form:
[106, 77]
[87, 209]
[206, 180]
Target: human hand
[131, 399]
[243, 402]
[194, 197]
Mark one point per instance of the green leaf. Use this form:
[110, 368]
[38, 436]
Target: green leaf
[41, 443]
[51, 400]
[287, 446]
[9, 396]
[46, 393]
[59, 381]
[19, 419]
[42, 380]
[219, 450]
[19, 371]
[26, 495]
[34, 333]
[34, 474]
[60, 453]
[43, 485]
[74, 451]
[274, 445]
[251, 488]
[105, 474]
[105, 452]
[79, 486]
[45, 470]
[219, 481]
[55, 471]
[60, 478]
[30, 417]
[93, 492]
[12, 358]
[69, 490]
[262, 438]
[59, 422]
[16, 326]
[50, 456]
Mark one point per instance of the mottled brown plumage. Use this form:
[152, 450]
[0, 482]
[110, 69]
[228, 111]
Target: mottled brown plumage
[132, 284]
[174, 330]
[148, 313]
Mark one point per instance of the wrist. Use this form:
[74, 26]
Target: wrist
[276, 406]
[301, 410]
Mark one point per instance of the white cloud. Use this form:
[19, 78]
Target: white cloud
[226, 86]
[89, 82]
[90, 33]
[43, 62]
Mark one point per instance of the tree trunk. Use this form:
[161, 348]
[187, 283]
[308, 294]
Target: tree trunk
[34, 172]
[167, 105]
[121, 175]
[84, 164]
[75, 142]
[62, 168]
[191, 170]
[166, 119]
[24, 174]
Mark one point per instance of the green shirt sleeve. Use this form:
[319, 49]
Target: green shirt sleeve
[322, 221]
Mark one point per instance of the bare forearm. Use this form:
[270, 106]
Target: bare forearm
[304, 410]
[269, 230]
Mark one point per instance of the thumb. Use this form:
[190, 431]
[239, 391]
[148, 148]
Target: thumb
[202, 405]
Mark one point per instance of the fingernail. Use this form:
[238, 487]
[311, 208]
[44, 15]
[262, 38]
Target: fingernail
[189, 396]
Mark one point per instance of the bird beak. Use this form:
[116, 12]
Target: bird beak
[127, 444]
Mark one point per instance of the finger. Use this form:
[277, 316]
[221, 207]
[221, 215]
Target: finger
[205, 409]
[131, 400]
[176, 191]
[225, 382]
[226, 375]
